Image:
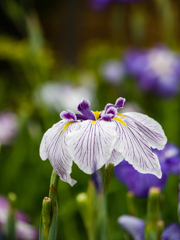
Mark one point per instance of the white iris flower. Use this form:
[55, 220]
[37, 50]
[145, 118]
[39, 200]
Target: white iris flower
[93, 139]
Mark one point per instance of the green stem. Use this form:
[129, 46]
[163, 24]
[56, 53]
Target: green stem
[46, 216]
[49, 222]
[53, 188]
[131, 203]
[10, 225]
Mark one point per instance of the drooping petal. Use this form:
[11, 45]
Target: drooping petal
[135, 148]
[151, 130]
[132, 225]
[91, 146]
[171, 232]
[54, 147]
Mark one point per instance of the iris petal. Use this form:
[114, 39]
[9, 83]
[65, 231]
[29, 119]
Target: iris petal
[171, 232]
[91, 146]
[54, 147]
[135, 148]
[133, 225]
[151, 130]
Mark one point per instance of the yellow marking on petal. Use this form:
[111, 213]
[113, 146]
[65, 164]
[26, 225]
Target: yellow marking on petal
[97, 114]
[93, 122]
[121, 115]
[66, 126]
[121, 121]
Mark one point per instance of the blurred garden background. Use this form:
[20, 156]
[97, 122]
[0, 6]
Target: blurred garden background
[53, 54]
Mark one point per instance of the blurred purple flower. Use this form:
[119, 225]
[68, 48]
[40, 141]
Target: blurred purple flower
[23, 229]
[99, 4]
[8, 127]
[132, 225]
[112, 71]
[157, 70]
[135, 227]
[140, 183]
[171, 232]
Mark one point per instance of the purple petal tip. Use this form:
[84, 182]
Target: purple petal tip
[120, 103]
[83, 105]
[68, 115]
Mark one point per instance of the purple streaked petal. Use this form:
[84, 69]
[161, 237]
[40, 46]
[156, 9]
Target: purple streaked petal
[150, 129]
[54, 147]
[92, 144]
[135, 148]
[83, 108]
[132, 225]
[68, 115]
[120, 103]
[171, 232]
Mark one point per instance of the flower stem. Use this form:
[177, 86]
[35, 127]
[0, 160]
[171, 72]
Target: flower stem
[53, 187]
[49, 222]
[10, 226]
[154, 225]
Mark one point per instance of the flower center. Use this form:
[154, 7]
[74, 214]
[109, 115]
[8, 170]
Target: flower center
[97, 114]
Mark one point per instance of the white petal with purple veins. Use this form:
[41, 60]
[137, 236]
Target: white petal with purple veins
[151, 130]
[135, 148]
[54, 147]
[91, 146]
